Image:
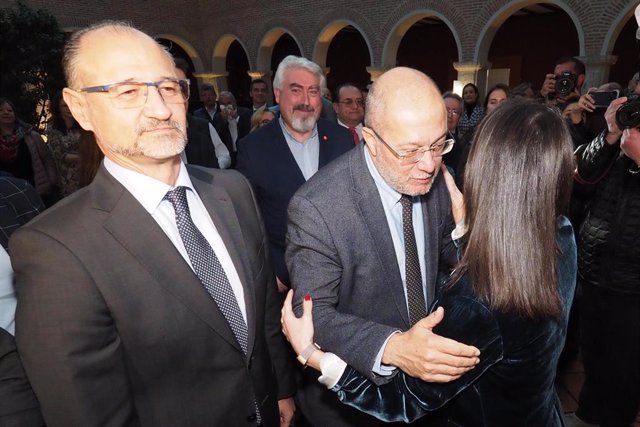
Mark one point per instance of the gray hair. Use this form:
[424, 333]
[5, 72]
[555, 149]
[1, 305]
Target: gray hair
[71, 55]
[452, 95]
[293, 62]
[227, 93]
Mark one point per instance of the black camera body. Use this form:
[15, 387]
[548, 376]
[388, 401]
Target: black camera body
[628, 115]
[565, 83]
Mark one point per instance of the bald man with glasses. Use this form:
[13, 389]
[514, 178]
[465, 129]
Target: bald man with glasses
[147, 298]
[366, 239]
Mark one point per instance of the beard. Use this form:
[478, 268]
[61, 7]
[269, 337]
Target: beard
[162, 146]
[402, 182]
[304, 124]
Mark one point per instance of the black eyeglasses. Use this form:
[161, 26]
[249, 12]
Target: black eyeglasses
[409, 157]
[134, 94]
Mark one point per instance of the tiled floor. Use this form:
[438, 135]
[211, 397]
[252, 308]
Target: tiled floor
[568, 385]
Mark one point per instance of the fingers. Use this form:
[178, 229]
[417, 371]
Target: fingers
[307, 306]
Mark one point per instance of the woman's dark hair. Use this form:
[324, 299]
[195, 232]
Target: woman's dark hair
[517, 181]
[498, 86]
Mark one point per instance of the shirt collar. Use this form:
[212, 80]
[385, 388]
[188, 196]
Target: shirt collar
[388, 195]
[148, 191]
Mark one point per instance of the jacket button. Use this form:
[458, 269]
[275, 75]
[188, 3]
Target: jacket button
[252, 417]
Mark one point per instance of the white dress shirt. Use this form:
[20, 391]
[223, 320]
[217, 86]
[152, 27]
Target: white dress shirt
[7, 294]
[150, 193]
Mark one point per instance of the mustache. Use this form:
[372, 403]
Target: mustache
[304, 107]
[154, 124]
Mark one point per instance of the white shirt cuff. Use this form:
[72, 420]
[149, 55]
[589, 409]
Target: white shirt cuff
[332, 368]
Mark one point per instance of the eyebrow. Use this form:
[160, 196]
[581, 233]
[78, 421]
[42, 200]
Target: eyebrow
[444, 134]
[298, 85]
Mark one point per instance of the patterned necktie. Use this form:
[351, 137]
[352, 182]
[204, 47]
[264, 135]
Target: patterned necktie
[413, 277]
[354, 134]
[209, 271]
[207, 266]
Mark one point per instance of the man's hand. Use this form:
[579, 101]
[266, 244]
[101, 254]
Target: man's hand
[549, 85]
[287, 408]
[630, 144]
[422, 354]
[613, 131]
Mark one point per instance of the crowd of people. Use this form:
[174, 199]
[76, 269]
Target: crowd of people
[433, 251]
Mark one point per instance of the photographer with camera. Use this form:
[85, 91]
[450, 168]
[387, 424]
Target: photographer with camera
[608, 177]
[565, 82]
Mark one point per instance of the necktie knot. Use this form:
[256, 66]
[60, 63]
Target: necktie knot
[178, 198]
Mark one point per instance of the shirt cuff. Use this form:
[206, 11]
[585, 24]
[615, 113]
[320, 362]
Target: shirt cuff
[378, 367]
[332, 368]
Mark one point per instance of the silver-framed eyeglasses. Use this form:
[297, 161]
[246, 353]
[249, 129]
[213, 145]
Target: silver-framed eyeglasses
[134, 94]
[409, 157]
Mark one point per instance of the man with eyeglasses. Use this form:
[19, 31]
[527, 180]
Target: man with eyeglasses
[366, 237]
[147, 298]
[348, 103]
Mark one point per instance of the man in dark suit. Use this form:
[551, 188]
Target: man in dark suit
[258, 92]
[279, 157]
[210, 111]
[19, 407]
[366, 237]
[231, 113]
[146, 298]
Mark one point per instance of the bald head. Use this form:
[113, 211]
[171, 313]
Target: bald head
[72, 61]
[398, 89]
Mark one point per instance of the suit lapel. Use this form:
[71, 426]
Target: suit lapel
[372, 212]
[131, 225]
[224, 216]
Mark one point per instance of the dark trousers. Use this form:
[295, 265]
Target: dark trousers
[610, 334]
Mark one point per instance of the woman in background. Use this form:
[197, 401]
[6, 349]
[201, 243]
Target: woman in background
[473, 111]
[509, 296]
[63, 137]
[23, 154]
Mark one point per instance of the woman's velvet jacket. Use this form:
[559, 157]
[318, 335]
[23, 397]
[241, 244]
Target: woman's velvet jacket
[514, 382]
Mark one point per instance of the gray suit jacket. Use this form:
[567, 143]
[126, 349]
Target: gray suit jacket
[340, 251]
[114, 328]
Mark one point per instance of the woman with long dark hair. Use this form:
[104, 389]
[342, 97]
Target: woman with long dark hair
[509, 295]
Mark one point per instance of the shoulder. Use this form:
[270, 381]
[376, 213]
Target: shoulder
[330, 128]
[229, 179]
[335, 179]
[257, 138]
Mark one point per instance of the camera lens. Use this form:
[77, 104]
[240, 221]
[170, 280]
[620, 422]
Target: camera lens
[628, 116]
[564, 85]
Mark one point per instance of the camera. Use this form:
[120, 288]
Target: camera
[565, 83]
[628, 115]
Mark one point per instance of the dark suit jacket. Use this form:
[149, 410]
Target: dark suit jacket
[264, 157]
[199, 149]
[220, 124]
[340, 251]
[114, 327]
[18, 404]
[244, 122]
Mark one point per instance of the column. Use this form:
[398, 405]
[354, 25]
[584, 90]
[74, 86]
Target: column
[597, 70]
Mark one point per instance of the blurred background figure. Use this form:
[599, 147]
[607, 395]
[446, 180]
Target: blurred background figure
[63, 137]
[473, 111]
[261, 117]
[23, 154]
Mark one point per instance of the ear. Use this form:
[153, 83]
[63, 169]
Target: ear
[78, 107]
[371, 140]
[335, 107]
[276, 93]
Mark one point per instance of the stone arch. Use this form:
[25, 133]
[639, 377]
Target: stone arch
[187, 47]
[267, 44]
[392, 43]
[220, 50]
[615, 27]
[327, 34]
[486, 35]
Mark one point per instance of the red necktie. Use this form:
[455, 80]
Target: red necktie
[356, 138]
